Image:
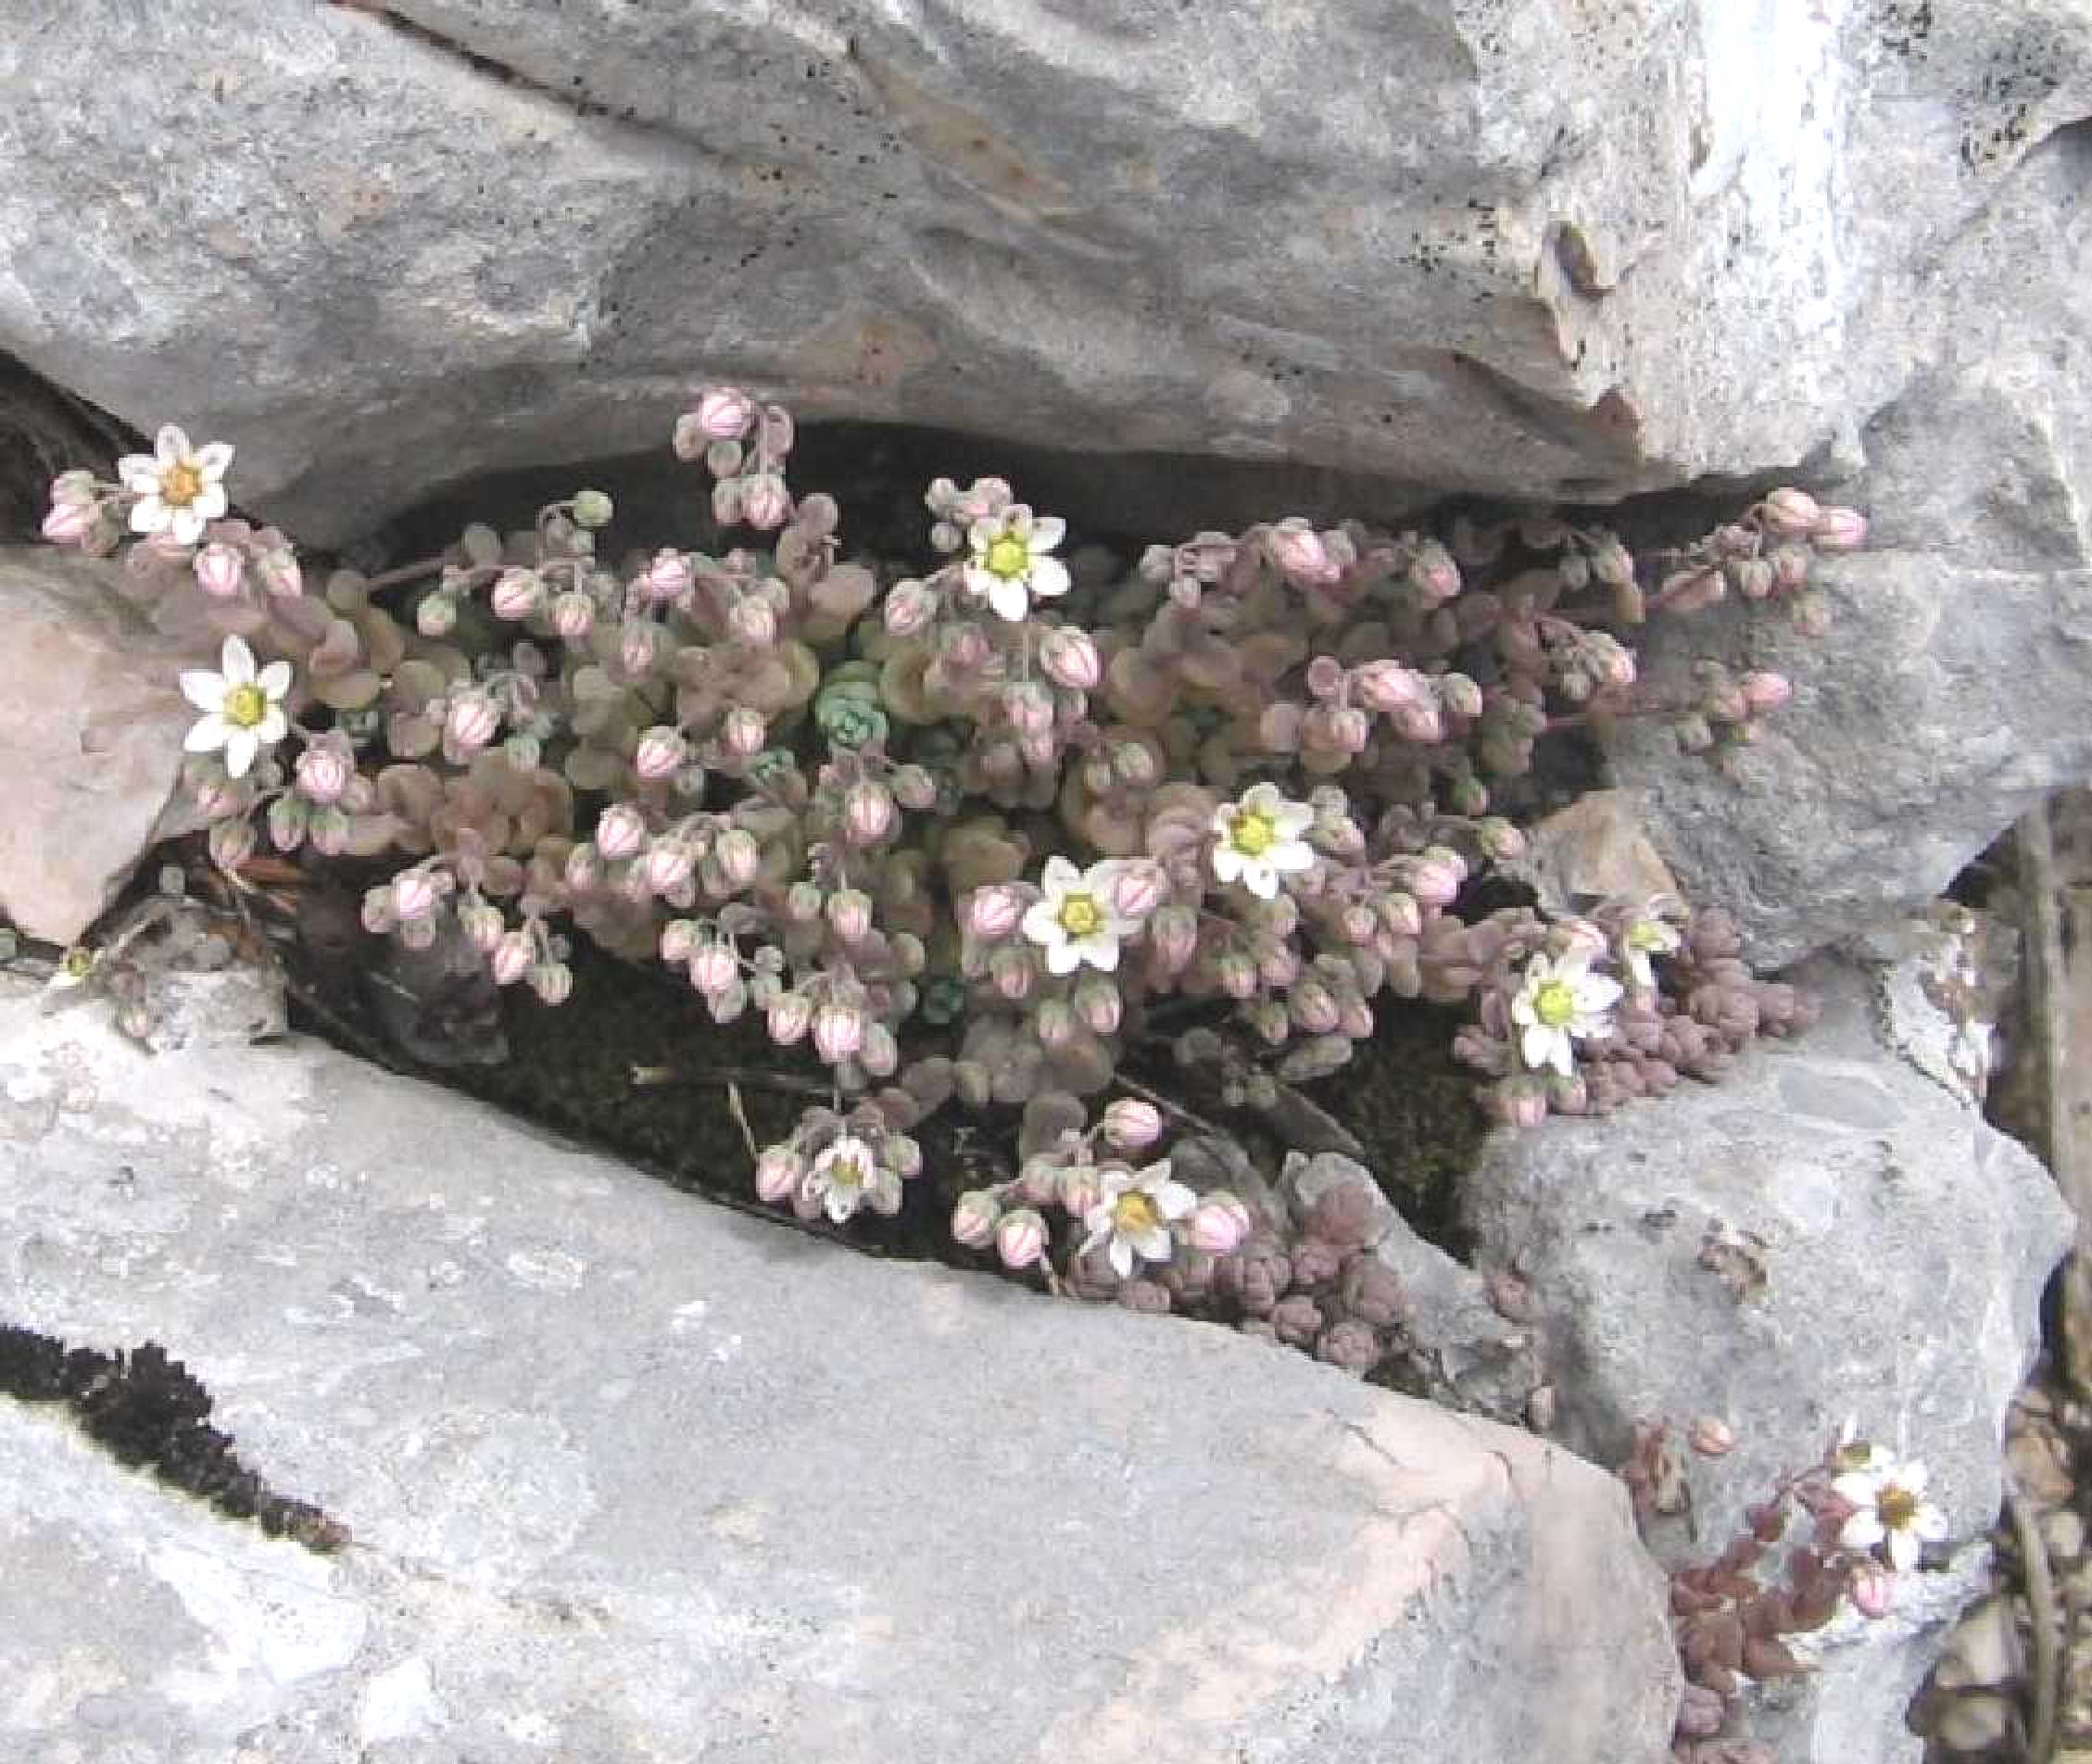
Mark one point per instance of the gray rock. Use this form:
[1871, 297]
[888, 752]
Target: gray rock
[633, 1478]
[1949, 696]
[91, 728]
[1829, 1234]
[446, 237]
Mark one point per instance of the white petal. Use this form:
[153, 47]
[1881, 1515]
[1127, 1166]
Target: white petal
[1293, 819]
[1929, 1524]
[1522, 1011]
[213, 458]
[1260, 878]
[1862, 1531]
[240, 750]
[171, 446]
[1043, 924]
[980, 580]
[1173, 1200]
[204, 690]
[1537, 1045]
[1594, 993]
[1902, 1551]
[236, 661]
[1047, 531]
[186, 526]
[1290, 858]
[1099, 949]
[210, 501]
[274, 679]
[207, 734]
[1063, 957]
[1911, 1479]
[1059, 877]
[1048, 578]
[1122, 1258]
[1227, 862]
[149, 515]
[1155, 1245]
[1862, 1488]
[1263, 799]
[274, 725]
[139, 473]
[1010, 598]
[1098, 1223]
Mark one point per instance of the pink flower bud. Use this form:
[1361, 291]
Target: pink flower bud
[680, 940]
[583, 870]
[743, 732]
[1173, 934]
[232, 843]
[517, 594]
[1434, 574]
[1872, 1590]
[70, 523]
[1313, 1006]
[665, 579]
[838, 1032]
[849, 914]
[512, 958]
[993, 913]
[1098, 1004]
[1358, 923]
[881, 1054]
[1710, 1436]
[804, 902]
[552, 981]
[1766, 691]
[474, 721]
[668, 864]
[713, 968]
[323, 773]
[1789, 513]
[765, 504]
[621, 830]
[787, 1018]
[868, 811]
[1079, 1188]
[1139, 886]
[660, 753]
[574, 615]
[738, 857]
[722, 413]
[1012, 973]
[1220, 1224]
[909, 607]
[639, 645]
[778, 1173]
[1131, 1125]
[327, 827]
[1348, 730]
[1068, 657]
[220, 570]
[1020, 1238]
[1237, 974]
[414, 896]
[436, 616]
[1518, 1103]
[377, 902]
[752, 620]
[1298, 550]
[975, 1217]
[1435, 877]
[1054, 1023]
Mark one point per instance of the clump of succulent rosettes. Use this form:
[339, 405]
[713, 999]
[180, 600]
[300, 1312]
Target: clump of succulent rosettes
[1868, 1522]
[959, 833]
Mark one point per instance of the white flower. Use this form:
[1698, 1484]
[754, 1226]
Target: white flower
[1892, 1509]
[1260, 839]
[843, 1177]
[178, 489]
[1646, 936]
[1077, 921]
[1561, 1000]
[1009, 565]
[242, 710]
[1134, 1213]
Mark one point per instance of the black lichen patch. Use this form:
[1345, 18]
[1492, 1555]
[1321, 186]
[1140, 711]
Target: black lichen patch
[147, 1410]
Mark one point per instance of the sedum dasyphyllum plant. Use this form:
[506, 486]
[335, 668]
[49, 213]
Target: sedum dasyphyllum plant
[960, 833]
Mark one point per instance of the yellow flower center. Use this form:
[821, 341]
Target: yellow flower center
[246, 705]
[181, 484]
[1008, 556]
[846, 1172]
[1555, 1004]
[1134, 1213]
[1080, 915]
[1898, 1508]
[1253, 834]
